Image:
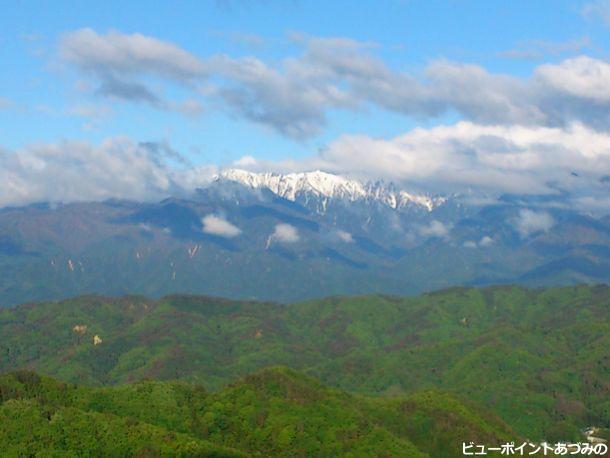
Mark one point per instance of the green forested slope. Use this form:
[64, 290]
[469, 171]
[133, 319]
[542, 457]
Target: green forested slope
[274, 412]
[539, 359]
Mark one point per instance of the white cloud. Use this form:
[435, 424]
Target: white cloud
[581, 77]
[294, 95]
[434, 229]
[515, 159]
[598, 9]
[291, 99]
[530, 222]
[79, 171]
[522, 135]
[119, 54]
[215, 225]
[119, 63]
[453, 158]
[465, 157]
[345, 236]
[484, 242]
[285, 233]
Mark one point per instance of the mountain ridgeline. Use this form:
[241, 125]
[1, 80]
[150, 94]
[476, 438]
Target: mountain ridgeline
[537, 359]
[294, 237]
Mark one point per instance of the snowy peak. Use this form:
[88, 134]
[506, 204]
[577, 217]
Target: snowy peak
[324, 186]
[289, 186]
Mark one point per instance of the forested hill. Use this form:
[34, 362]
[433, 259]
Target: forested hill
[539, 359]
[274, 412]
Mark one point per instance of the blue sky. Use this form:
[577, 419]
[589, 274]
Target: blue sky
[408, 33]
[53, 91]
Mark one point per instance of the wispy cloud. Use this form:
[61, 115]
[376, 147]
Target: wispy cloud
[294, 96]
[116, 53]
[5, 103]
[129, 90]
[540, 49]
[531, 222]
[599, 9]
[485, 241]
[434, 229]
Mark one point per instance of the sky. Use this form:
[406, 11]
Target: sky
[141, 100]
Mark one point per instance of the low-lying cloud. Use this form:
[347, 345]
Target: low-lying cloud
[434, 229]
[484, 242]
[572, 162]
[344, 236]
[216, 225]
[71, 171]
[513, 159]
[530, 222]
[285, 233]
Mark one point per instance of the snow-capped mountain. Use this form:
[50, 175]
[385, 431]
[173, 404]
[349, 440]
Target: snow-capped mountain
[334, 236]
[323, 186]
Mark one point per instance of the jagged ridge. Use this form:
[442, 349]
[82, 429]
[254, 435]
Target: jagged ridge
[326, 186]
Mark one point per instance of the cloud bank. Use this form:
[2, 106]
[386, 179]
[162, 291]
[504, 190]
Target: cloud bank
[72, 171]
[464, 157]
[515, 159]
[573, 162]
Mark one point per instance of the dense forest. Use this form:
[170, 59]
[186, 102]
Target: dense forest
[274, 412]
[537, 359]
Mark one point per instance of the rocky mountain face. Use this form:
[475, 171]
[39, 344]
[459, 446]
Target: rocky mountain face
[291, 237]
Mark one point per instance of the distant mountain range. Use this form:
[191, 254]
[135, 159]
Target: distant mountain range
[296, 236]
